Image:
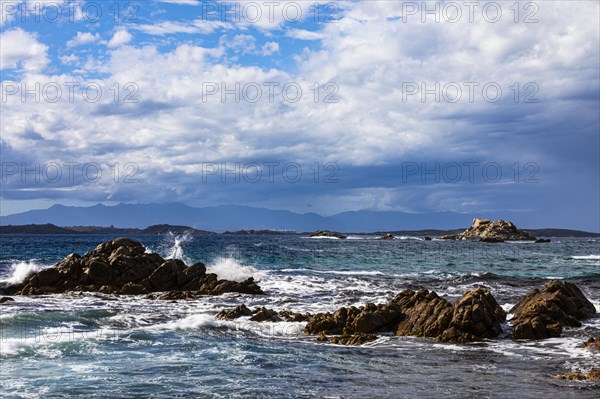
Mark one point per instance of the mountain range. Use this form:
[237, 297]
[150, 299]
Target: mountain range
[235, 217]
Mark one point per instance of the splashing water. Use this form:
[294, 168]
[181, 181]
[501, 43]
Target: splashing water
[172, 246]
[20, 271]
[230, 269]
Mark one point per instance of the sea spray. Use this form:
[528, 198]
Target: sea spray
[172, 246]
[20, 271]
[231, 269]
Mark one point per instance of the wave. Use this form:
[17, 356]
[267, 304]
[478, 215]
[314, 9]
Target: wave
[172, 246]
[230, 269]
[20, 271]
[341, 272]
[586, 257]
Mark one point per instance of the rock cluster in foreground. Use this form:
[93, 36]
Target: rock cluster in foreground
[592, 375]
[329, 234]
[474, 317]
[543, 313]
[488, 231]
[122, 266]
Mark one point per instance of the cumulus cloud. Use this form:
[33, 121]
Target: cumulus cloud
[270, 48]
[121, 36]
[83, 38]
[21, 49]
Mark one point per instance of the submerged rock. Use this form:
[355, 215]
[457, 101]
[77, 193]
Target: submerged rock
[327, 233]
[388, 236]
[354, 339]
[543, 314]
[475, 316]
[542, 240]
[122, 266]
[5, 299]
[488, 231]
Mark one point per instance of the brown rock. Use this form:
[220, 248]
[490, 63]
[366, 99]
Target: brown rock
[592, 343]
[577, 375]
[354, 339]
[543, 314]
[264, 314]
[488, 231]
[234, 313]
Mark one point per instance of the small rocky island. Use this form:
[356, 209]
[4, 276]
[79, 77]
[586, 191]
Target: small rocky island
[124, 266]
[328, 234]
[488, 231]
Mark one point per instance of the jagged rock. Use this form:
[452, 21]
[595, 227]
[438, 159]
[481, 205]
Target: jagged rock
[5, 299]
[234, 313]
[122, 266]
[427, 238]
[348, 321]
[327, 233]
[294, 316]
[543, 314]
[264, 314]
[592, 343]
[388, 236]
[475, 316]
[488, 231]
[577, 375]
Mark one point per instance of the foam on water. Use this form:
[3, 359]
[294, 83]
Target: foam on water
[587, 257]
[21, 270]
[172, 246]
[231, 269]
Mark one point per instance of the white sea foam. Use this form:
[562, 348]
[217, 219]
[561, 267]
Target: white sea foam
[172, 246]
[21, 270]
[231, 269]
[340, 272]
[586, 257]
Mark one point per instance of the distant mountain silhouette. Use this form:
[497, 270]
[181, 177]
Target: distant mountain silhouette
[235, 217]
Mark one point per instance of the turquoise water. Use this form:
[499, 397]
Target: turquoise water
[92, 345]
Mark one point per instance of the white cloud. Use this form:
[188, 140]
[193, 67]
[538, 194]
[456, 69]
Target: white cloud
[270, 48]
[83, 38]
[303, 34]
[20, 49]
[120, 37]
[173, 27]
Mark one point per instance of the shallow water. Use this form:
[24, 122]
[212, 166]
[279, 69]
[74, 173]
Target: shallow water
[95, 345]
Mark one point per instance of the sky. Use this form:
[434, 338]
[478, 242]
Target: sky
[305, 106]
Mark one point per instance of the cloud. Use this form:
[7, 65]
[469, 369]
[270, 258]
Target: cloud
[83, 38]
[20, 49]
[174, 27]
[120, 37]
[270, 48]
[303, 34]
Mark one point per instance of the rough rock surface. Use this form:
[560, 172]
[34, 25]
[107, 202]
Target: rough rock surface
[5, 299]
[592, 343]
[488, 231]
[473, 317]
[543, 314]
[352, 320]
[261, 314]
[355, 339]
[388, 236]
[122, 266]
[238, 311]
[593, 375]
[327, 233]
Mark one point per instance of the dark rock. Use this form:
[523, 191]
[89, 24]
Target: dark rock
[543, 314]
[294, 316]
[176, 295]
[122, 266]
[354, 339]
[264, 314]
[234, 313]
[427, 238]
[327, 233]
[388, 236]
[475, 316]
[488, 231]
[542, 240]
[5, 299]
[577, 375]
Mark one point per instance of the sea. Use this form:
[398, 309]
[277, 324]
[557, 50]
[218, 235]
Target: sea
[90, 345]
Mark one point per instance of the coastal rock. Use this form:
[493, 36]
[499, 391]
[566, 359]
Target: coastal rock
[264, 314]
[354, 339]
[577, 375]
[327, 233]
[543, 314]
[122, 266]
[231, 314]
[388, 236]
[542, 240]
[488, 231]
[475, 316]
[350, 320]
[427, 238]
[5, 299]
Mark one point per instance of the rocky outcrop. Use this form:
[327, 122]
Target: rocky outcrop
[260, 314]
[6, 299]
[230, 314]
[488, 231]
[577, 375]
[353, 320]
[330, 234]
[123, 266]
[354, 339]
[543, 314]
[474, 317]
[388, 236]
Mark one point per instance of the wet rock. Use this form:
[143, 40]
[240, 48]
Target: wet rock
[427, 238]
[294, 316]
[488, 231]
[542, 240]
[388, 236]
[264, 314]
[234, 313]
[475, 316]
[577, 375]
[122, 266]
[543, 314]
[354, 339]
[592, 343]
[327, 233]
[5, 299]
[348, 321]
